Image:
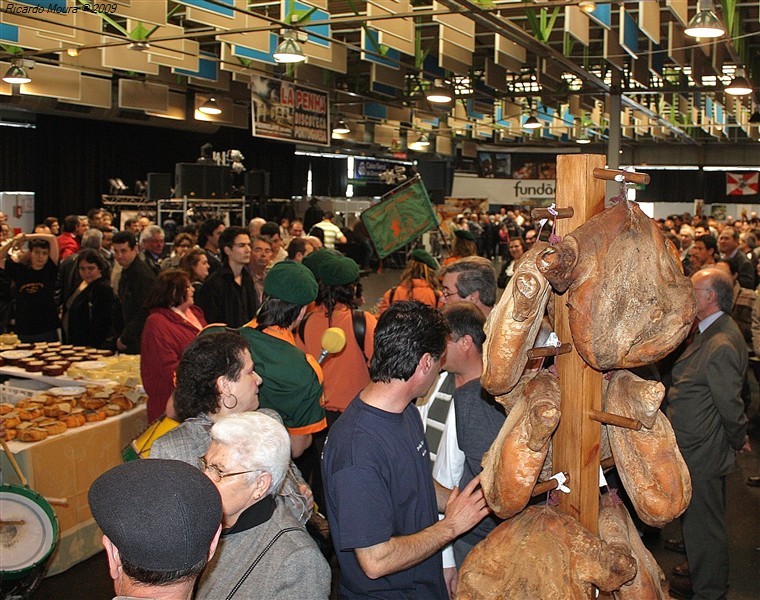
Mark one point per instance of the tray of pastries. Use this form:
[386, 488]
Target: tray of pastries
[34, 416]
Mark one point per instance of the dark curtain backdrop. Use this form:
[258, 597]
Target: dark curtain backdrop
[66, 162]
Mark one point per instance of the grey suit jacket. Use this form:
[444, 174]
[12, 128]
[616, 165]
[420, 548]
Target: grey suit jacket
[704, 402]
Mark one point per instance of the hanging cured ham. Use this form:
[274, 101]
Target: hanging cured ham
[649, 462]
[513, 463]
[544, 554]
[514, 323]
[629, 301]
[617, 529]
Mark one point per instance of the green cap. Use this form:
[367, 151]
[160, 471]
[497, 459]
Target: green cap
[423, 256]
[314, 260]
[338, 270]
[291, 282]
[464, 234]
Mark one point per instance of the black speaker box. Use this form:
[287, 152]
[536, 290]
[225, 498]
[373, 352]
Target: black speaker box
[198, 180]
[257, 184]
[159, 186]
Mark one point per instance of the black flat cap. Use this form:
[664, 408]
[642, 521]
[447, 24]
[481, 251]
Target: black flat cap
[161, 514]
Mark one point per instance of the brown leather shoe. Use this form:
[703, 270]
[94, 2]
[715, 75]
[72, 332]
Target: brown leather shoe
[681, 570]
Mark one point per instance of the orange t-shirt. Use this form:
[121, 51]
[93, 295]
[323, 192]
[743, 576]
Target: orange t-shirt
[421, 291]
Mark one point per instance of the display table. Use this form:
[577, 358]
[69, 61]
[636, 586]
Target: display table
[64, 466]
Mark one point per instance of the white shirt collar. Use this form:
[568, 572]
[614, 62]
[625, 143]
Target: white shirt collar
[707, 321]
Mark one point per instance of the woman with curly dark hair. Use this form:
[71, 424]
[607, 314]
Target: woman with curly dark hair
[215, 378]
[195, 264]
[172, 324]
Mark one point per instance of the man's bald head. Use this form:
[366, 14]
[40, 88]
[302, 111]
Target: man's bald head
[714, 291]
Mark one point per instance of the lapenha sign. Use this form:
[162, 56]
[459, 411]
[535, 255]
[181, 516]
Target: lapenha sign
[282, 110]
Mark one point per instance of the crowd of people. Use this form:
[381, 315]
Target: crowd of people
[228, 324]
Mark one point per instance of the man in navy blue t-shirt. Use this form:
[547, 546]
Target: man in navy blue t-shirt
[381, 502]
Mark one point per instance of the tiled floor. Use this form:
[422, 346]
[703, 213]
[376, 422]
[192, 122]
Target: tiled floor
[90, 579]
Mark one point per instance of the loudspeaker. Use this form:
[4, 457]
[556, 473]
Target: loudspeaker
[159, 186]
[257, 184]
[198, 180]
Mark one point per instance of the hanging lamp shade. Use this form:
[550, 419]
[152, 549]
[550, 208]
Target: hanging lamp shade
[532, 123]
[289, 50]
[16, 74]
[341, 127]
[439, 93]
[705, 24]
[740, 85]
[210, 107]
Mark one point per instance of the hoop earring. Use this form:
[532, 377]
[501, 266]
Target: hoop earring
[230, 407]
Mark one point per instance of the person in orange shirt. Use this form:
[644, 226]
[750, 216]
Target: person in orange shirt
[346, 372]
[419, 281]
[464, 246]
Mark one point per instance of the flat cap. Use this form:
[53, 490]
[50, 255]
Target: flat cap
[161, 514]
[338, 270]
[464, 234]
[423, 256]
[291, 282]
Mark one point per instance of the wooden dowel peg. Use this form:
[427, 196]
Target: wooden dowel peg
[64, 502]
[545, 486]
[616, 420]
[549, 351]
[544, 213]
[14, 464]
[628, 176]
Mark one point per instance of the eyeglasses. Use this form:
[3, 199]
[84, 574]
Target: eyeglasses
[447, 294]
[214, 473]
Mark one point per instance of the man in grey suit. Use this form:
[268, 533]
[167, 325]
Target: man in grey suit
[707, 413]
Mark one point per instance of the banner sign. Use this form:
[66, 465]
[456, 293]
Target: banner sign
[742, 184]
[371, 169]
[402, 215]
[281, 110]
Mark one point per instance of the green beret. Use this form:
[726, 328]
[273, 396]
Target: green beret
[313, 260]
[464, 234]
[339, 270]
[423, 256]
[291, 282]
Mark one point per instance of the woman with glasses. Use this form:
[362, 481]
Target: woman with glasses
[173, 322]
[263, 551]
[419, 281]
[215, 378]
[181, 245]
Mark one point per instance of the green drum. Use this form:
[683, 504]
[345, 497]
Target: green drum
[28, 535]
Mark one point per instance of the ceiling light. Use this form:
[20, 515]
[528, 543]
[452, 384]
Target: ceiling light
[532, 123]
[72, 51]
[754, 118]
[16, 74]
[740, 85]
[289, 50]
[439, 93]
[705, 24]
[421, 144]
[139, 46]
[583, 138]
[341, 128]
[210, 107]
[587, 6]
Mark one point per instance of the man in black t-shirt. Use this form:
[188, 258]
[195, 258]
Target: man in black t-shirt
[34, 275]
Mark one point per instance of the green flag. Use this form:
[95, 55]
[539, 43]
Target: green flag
[402, 215]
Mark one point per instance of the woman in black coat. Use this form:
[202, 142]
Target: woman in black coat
[87, 311]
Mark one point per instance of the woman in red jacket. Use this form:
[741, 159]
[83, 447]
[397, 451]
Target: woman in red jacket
[172, 324]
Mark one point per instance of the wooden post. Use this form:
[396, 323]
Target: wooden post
[576, 442]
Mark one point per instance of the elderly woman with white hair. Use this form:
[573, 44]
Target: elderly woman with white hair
[263, 551]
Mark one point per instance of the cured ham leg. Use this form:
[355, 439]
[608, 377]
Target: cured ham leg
[513, 463]
[617, 529]
[513, 324]
[544, 554]
[629, 301]
[649, 462]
